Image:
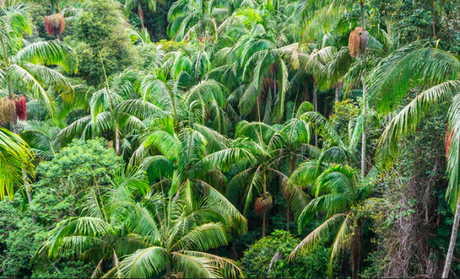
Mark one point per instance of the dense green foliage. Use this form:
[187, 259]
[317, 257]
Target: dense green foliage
[258, 259]
[101, 41]
[209, 138]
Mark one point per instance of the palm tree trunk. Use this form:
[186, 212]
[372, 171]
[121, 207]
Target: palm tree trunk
[315, 105]
[53, 7]
[434, 19]
[364, 137]
[173, 102]
[288, 196]
[117, 142]
[338, 87]
[288, 214]
[140, 13]
[363, 78]
[263, 224]
[265, 209]
[363, 17]
[453, 240]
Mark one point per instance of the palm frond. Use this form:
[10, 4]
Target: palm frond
[15, 160]
[319, 234]
[145, 263]
[406, 68]
[409, 117]
[49, 53]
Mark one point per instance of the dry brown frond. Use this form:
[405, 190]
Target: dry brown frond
[357, 42]
[263, 203]
[7, 110]
[354, 42]
[55, 24]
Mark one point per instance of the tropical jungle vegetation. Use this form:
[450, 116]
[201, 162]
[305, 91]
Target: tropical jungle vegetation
[237, 138]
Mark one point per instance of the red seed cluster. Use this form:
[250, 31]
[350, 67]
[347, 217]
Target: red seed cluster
[49, 30]
[55, 24]
[21, 108]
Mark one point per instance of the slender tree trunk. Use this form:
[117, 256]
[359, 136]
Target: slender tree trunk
[141, 14]
[364, 137]
[363, 79]
[263, 224]
[288, 196]
[288, 213]
[453, 241]
[117, 142]
[338, 88]
[315, 105]
[53, 7]
[265, 209]
[29, 195]
[434, 18]
[173, 101]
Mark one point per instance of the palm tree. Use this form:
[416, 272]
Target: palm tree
[142, 37]
[187, 17]
[252, 181]
[295, 136]
[316, 64]
[339, 192]
[15, 159]
[164, 93]
[111, 112]
[161, 230]
[189, 89]
[197, 152]
[319, 15]
[188, 66]
[331, 177]
[411, 66]
[263, 57]
[25, 68]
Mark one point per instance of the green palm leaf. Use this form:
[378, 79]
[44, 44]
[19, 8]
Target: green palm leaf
[49, 53]
[145, 263]
[406, 68]
[15, 158]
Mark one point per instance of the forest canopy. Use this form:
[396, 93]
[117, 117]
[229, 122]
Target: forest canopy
[229, 139]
